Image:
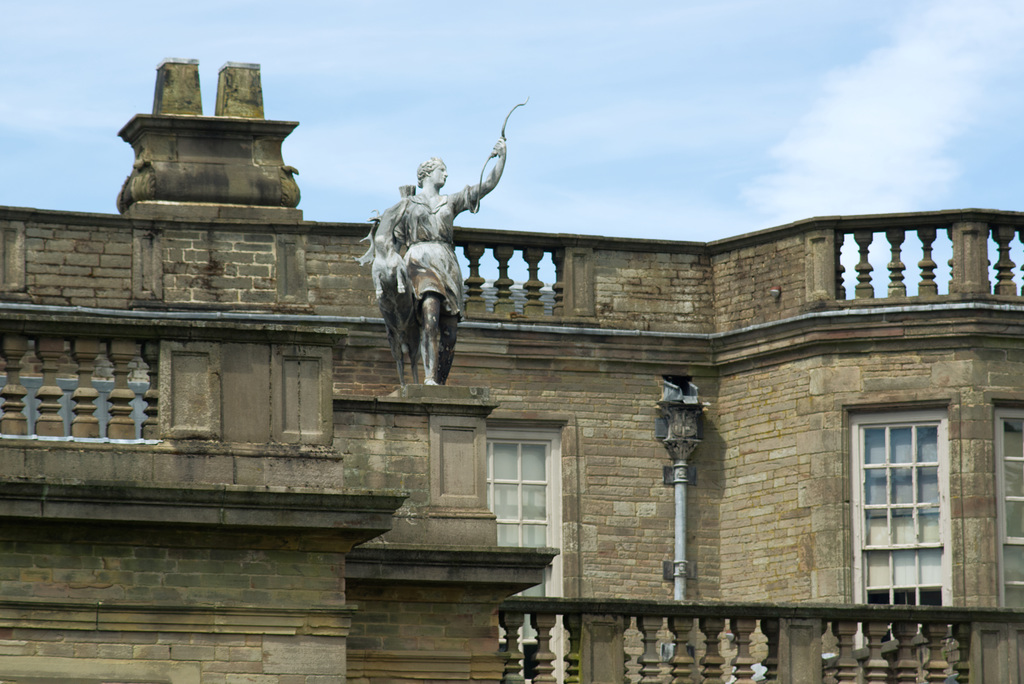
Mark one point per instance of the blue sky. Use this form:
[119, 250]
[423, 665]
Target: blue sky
[675, 120]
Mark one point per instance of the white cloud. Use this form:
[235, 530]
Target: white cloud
[877, 138]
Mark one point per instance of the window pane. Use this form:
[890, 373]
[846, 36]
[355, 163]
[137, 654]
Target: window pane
[508, 535]
[929, 521]
[927, 485]
[1013, 563]
[878, 527]
[878, 569]
[533, 462]
[1013, 444]
[931, 566]
[902, 485]
[874, 446]
[900, 443]
[903, 527]
[874, 487]
[535, 535]
[506, 501]
[928, 444]
[931, 597]
[1015, 597]
[535, 505]
[506, 459]
[903, 570]
[1015, 518]
[1014, 478]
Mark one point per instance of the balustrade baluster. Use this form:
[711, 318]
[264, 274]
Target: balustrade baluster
[49, 423]
[533, 305]
[712, 662]
[840, 269]
[963, 653]
[864, 290]
[770, 629]
[1020, 236]
[650, 660]
[121, 425]
[1004, 266]
[544, 623]
[846, 664]
[503, 304]
[626, 657]
[14, 421]
[511, 621]
[682, 661]
[743, 629]
[559, 285]
[927, 287]
[151, 425]
[85, 423]
[907, 665]
[876, 669]
[936, 666]
[573, 625]
[896, 266]
[475, 282]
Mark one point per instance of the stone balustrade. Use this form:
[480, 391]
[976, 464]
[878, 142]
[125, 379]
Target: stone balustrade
[79, 388]
[977, 245]
[499, 293]
[714, 643]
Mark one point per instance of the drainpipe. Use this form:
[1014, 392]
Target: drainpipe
[680, 429]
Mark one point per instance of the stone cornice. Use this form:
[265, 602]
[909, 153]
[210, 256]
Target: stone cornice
[352, 517]
[155, 617]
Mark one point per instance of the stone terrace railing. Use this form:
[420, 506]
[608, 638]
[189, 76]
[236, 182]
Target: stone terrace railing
[503, 247]
[79, 389]
[717, 643]
[977, 244]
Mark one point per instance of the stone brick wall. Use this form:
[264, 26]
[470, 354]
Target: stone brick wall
[132, 571]
[745, 275]
[785, 516]
[654, 289]
[86, 261]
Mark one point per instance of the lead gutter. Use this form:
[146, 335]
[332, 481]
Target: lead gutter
[238, 316]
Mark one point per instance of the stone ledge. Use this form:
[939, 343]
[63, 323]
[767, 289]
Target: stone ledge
[515, 568]
[424, 400]
[356, 516]
[114, 617]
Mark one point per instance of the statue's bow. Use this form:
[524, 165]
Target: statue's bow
[476, 207]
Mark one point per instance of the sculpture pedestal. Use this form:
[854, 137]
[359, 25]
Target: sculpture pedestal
[455, 513]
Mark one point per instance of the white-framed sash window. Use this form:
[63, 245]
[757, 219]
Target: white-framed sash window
[1009, 442]
[900, 497]
[524, 492]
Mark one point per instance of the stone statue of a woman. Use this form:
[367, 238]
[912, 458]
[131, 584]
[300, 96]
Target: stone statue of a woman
[416, 274]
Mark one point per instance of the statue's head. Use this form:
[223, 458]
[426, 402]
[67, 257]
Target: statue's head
[426, 168]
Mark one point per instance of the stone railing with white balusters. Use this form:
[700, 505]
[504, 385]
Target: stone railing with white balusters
[93, 389]
[645, 642]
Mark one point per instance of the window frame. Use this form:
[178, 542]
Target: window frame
[552, 439]
[895, 419]
[1004, 540]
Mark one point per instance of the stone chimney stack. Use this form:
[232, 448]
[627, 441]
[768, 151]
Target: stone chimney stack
[239, 92]
[177, 88]
[206, 167]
